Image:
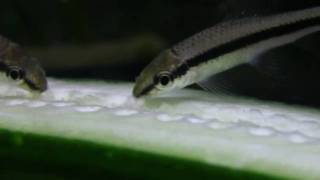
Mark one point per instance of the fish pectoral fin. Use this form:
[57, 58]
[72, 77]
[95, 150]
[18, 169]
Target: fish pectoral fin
[272, 62]
[284, 67]
[310, 44]
[238, 80]
[286, 63]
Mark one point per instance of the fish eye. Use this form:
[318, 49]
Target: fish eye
[163, 78]
[15, 73]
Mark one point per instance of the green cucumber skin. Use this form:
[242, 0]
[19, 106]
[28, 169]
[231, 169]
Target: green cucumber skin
[33, 156]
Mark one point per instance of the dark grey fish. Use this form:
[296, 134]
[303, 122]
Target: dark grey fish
[222, 47]
[18, 65]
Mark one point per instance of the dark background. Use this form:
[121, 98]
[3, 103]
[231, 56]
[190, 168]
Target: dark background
[115, 39]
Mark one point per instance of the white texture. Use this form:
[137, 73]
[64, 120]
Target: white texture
[239, 133]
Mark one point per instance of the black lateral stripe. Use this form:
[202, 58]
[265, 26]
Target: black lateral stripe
[252, 39]
[146, 90]
[180, 71]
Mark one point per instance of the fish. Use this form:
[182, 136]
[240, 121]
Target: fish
[222, 47]
[20, 66]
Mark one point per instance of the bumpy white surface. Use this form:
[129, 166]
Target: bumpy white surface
[245, 134]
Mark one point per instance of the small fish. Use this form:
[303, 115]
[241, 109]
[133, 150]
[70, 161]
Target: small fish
[18, 65]
[223, 47]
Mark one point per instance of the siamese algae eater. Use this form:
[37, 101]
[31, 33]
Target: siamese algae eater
[18, 65]
[223, 47]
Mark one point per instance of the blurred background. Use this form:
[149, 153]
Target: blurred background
[113, 40]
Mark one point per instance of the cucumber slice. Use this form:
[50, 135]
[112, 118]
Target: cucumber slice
[81, 130]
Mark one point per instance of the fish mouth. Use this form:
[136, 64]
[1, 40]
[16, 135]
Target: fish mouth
[140, 92]
[33, 86]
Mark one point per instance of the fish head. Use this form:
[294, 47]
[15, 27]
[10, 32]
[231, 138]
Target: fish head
[159, 76]
[19, 66]
[29, 72]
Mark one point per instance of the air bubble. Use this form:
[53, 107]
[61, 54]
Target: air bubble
[116, 101]
[62, 104]
[87, 108]
[36, 104]
[261, 131]
[195, 120]
[167, 117]
[220, 125]
[297, 138]
[126, 112]
[16, 102]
